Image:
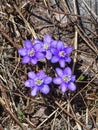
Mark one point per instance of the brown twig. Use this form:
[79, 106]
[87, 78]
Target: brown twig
[29, 122]
[1, 128]
[7, 108]
[65, 13]
[71, 115]
[76, 37]
[87, 40]
[88, 110]
[31, 29]
[85, 86]
[9, 39]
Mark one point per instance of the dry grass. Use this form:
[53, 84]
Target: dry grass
[29, 19]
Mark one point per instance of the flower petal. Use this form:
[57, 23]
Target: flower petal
[59, 72]
[39, 55]
[29, 83]
[73, 78]
[31, 75]
[48, 55]
[41, 74]
[67, 59]
[62, 63]
[47, 39]
[28, 44]
[71, 86]
[54, 43]
[36, 41]
[54, 59]
[53, 50]
[34, 91]
[34, 61]
[25, 59]
[60, 45]
[68, 71]
[68, 49]
[47, 80]
[37, 47]
[45, 89]
[57, 81]
[63, 87]
[22, 51]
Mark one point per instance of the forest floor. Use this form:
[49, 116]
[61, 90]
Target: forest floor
[31, 19]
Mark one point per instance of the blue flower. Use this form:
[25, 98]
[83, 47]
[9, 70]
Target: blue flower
[60, 53]
[38, 82]
[31, 53]
[47, 46]
[65, 79]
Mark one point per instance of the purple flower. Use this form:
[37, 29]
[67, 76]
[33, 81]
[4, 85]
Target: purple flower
[47, 46]
[60, 53]
[38, 82]
[31, 53]
[65, 79]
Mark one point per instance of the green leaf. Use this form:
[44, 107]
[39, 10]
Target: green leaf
[81, 78]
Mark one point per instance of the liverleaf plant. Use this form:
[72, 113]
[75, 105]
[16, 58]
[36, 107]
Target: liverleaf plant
[56, 52]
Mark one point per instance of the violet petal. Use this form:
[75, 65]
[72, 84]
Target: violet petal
[47, 39]
[41, 74]
[22, 51]
[54, 59]
[63, 87]
[68, 71]
[53, 50]
[71, 86]
[68, 59]
[45, 89]
[60, 45]
[48, 55]
[62, 63]
[59, 72]
[57, 81]
[37, 47]
[34, 61]
[47, 80]
[68, 49]
[54, 43]
[31, 75]
[34, 91]
[73, 78]
[39, 55]
[25, 59]
[28, 44]
[36, 41]
[29, 83]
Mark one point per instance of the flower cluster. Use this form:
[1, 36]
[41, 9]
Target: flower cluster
[56, 52]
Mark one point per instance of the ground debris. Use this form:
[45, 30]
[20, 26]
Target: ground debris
[76, 24]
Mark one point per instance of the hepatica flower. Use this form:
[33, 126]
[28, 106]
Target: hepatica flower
[47, 46]
[61, 53]
[51, 50]
[65, 79]
[38, 82]
[31, 53]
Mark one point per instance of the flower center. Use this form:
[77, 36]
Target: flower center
[66, 78]
[38, 82]
[46, 46]
[31, 53]
[62, 53]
